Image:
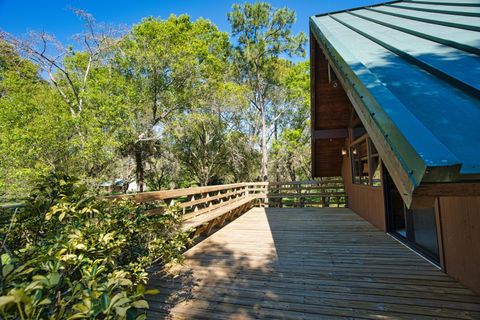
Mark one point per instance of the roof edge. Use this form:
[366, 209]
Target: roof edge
[408, 175]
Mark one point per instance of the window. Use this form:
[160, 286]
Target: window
[416, 226]
[376, 176]
[365, 163]
[360, 172]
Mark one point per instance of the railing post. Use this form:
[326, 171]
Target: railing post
[266, 187]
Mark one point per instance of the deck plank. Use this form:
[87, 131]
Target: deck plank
[308, 263]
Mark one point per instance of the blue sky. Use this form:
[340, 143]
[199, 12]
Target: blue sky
[53, 16]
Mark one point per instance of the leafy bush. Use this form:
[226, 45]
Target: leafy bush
[69, 255]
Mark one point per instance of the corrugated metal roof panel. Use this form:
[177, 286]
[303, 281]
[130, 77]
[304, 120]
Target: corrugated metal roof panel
[423, 69]
[468, 23]
[425, 30]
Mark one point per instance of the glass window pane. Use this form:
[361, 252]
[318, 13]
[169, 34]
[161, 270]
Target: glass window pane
[374, 165]
[424, 229]
[360, 168]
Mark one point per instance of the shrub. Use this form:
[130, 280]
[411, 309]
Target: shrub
[69, 255]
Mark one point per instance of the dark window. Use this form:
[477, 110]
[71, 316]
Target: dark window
[424, 232]
[417, 227]
[376, 176]
[360, 168]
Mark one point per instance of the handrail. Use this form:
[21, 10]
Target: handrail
[198, 200]
[193, 201]
[213, 205]
[175, 193]
[304, 193]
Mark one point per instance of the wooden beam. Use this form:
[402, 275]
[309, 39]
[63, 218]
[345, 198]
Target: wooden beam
[466, 189]
[313, 75]
[330, 133]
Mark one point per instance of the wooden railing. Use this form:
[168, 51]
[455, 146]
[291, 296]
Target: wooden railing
[207, 207]
[325, 193]
[196, 200]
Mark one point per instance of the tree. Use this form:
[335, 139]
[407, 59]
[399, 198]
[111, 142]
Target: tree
[290, 151]
[262, 36]
[291, 154]
[69, 78]
[200, 147]
[164, 167]
[242, 160]
[169, 64]
[33, 124]
[85, 100]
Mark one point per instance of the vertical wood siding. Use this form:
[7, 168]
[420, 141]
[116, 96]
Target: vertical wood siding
[461, 239]
[367, 201]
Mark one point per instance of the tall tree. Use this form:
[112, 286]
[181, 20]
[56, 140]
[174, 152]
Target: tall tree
[33, 124]
[200, 147]
[169, 63]
[261, 36]
[87, 93]
[290, 150]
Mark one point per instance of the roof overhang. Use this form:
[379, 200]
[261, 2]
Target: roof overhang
[406, 166]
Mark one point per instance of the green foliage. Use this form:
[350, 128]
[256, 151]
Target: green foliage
[263, 35]
[69, 255]
[107, 110]
[170, 65]
[291, 155]
[200, 147]
[33, 126]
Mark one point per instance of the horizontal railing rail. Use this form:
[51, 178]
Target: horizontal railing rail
[324, 193]
[198, 200]
[194, 201]
[210, 206]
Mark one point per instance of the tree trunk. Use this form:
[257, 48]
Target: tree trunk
[139, 168]
[277, 171]
[264, 170]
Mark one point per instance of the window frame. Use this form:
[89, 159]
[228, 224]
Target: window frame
[355, 162]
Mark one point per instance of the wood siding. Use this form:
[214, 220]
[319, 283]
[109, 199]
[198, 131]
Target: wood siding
[367, 201]
[330, 110]
[461, 239]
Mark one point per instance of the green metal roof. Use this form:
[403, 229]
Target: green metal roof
[419, 61]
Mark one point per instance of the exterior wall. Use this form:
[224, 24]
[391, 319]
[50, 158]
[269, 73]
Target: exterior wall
[367, 201]
[458, 218]
[330, 115]
[460, 223]
[458, 226]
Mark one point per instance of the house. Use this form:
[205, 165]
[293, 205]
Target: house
[112, 186]
[396, 113]
[119, 186]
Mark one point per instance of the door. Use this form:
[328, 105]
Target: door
[415, 227]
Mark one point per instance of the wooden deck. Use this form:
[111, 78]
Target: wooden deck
[308, 263]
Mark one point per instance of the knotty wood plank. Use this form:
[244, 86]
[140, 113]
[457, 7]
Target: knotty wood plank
[307, 263]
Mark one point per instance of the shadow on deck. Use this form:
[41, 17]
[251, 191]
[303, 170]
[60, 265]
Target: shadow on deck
[309, 263]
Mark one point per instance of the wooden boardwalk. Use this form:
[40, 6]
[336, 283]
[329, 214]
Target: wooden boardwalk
[309, 263]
